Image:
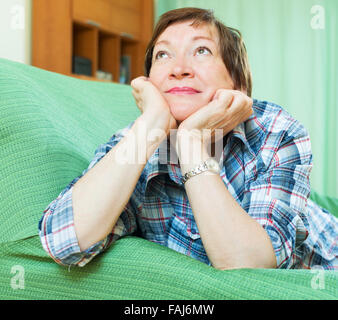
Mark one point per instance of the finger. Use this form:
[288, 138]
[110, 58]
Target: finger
[216, 111]
[242, 100]
[138, 82]
[137, 100]
[240, 109]
[216, 95]
[135, 95]
[226, 98]
[228, 116]
[222, 93]
[242, 97]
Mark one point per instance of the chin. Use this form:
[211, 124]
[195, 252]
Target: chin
[182, 112]
[182, 107]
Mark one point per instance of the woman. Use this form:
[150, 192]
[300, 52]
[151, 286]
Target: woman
[251, 212]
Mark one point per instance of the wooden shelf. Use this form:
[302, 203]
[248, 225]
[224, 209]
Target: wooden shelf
[83, 77]
[109, 48]
[102, 31]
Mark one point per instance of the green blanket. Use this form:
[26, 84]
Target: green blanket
[134, 268]
[50, 126]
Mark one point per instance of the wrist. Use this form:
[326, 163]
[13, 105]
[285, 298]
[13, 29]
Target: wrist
[148, 136]
[161, 121]
[207, 167]
[191, 150]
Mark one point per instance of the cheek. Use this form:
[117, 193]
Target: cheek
[156, 76]
[214, 75]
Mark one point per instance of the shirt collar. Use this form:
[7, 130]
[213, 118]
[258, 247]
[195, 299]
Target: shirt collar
[237, 134]
[165, 161]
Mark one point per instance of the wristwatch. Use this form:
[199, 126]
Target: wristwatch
[208, 165]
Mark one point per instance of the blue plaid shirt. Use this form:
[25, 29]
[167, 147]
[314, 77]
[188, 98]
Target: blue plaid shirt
[265, 163]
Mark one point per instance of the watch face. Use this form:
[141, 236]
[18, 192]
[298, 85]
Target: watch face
[213, 165]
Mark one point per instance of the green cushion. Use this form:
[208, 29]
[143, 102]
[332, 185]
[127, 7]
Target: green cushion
[326, 202]
[50, 126]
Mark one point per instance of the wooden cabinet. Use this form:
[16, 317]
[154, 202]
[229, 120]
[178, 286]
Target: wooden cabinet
[129, 27]
[102, 31]
[97, 12]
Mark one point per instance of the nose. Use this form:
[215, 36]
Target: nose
[181, 69]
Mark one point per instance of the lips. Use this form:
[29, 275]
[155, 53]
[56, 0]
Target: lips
[183, 90]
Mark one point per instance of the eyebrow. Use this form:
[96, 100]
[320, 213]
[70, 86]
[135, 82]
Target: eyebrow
[193, 39]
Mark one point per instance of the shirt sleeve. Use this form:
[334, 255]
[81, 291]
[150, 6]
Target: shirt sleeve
[56, 226]
[277, 197]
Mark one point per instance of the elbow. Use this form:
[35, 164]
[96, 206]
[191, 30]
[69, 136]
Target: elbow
[46, 245]
[65, 256]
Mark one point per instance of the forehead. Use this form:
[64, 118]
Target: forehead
[186, 30]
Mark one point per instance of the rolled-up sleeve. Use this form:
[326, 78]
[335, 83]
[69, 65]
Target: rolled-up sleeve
[56, 226]
[277, 197]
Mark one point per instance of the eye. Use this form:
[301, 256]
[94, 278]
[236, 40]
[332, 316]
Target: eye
[161, 55]
[202, 51]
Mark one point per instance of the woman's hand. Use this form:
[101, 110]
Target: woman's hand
[226, 110]
[152, 104]
[198, 134]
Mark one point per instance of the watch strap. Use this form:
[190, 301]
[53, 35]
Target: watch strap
[208, 165]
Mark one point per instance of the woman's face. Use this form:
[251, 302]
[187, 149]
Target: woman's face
[187, 67]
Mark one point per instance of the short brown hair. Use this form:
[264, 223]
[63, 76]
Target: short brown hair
[232, 47]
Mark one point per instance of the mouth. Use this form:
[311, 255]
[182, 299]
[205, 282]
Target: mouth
[183, 91]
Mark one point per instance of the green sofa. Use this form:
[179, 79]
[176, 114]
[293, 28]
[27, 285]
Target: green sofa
[50, 126]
